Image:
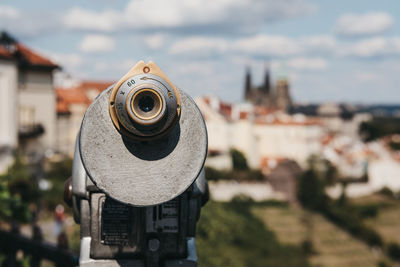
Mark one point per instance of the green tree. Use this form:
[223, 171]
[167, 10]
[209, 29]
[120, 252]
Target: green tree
[16, 191]
[310, 191]
[57, 174]
[239, 161]
[378, 127]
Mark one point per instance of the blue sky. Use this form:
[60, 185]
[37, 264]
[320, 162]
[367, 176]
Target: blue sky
[330, 50]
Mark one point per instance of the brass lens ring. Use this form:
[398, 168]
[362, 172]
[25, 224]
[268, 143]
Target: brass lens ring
[146, 104]
[148, 112]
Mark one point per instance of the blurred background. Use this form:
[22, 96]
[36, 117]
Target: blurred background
[301, 99]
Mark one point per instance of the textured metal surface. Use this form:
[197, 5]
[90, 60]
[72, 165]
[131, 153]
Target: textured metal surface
[142, 173]
[78, 173]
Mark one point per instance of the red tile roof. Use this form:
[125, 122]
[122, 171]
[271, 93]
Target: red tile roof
[66, 97]
[243, 115]
[225, 109]
[100, 86]
[4, 53]
[33, 58]
[12, 49]
[78, 94]
[62, 106]
[275, 121]
[260, 110]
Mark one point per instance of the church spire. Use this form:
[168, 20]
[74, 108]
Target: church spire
[266, 87]
[247, 88]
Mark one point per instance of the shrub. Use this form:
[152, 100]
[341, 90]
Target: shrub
[367, 211]
[307, 247]
[379, 127]
[57, 174]
[351, 222]
[382, 263]
[233, 175]
[239, 161]
[385, 191]
[17, 190]
[310, 191]
[393, 251]
[394, 145]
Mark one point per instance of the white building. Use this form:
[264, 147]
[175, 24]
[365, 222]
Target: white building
[264, 135]
[72, 103]
[8, 110]
[27, 100]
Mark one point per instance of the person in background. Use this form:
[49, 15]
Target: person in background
[59, 218]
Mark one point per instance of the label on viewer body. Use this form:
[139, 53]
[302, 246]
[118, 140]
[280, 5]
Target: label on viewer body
[115, 223]
[163, 218]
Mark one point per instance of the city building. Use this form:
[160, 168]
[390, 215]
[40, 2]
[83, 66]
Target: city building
[27, 101]
[71, 106]
[264, 135]
[267, 95]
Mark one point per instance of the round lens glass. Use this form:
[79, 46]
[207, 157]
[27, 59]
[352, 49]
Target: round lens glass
[146, 103]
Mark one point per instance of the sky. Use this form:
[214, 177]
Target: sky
[335, 51]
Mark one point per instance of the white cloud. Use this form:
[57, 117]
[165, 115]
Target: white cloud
[367, 48]
[217, 15]
[69, 60]
[371, 47]
[82, 19]
[271, 46]
[264, 47]
[199, 46]
[27, 23]
[303, 63]
[363, 24]
[366, 77]
[8, 12]
[94, 43]
[267, 45]
[319, 44]
[195, 68]
[155, 41]
[120, 66]
[177, 13]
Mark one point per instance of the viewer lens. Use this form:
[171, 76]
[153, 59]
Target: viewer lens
[146, 103]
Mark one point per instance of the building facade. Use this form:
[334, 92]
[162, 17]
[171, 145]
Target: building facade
[71, 106]
[267, 95]
[8, 110]
[265, 136]
[28, 103]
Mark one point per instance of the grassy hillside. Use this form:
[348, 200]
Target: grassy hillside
[244, 233]
[331, 246]
[229, 234]
[387, 221]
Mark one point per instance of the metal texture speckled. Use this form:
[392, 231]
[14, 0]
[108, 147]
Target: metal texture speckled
[142, 173]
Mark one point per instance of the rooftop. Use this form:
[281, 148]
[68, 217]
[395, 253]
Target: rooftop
[12, 49]
[81, 94]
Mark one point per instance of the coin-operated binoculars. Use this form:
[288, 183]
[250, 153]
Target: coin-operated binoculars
[137, 185]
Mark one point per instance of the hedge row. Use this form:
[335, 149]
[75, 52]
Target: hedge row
[235, 175]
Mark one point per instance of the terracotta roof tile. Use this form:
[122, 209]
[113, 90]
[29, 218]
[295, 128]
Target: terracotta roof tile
[65, 97]
[62, 106]
[34, 58]
[243, 115]
[309, 122]
[225, 109]
[4, 53]
[98, 85]
[78, 94]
